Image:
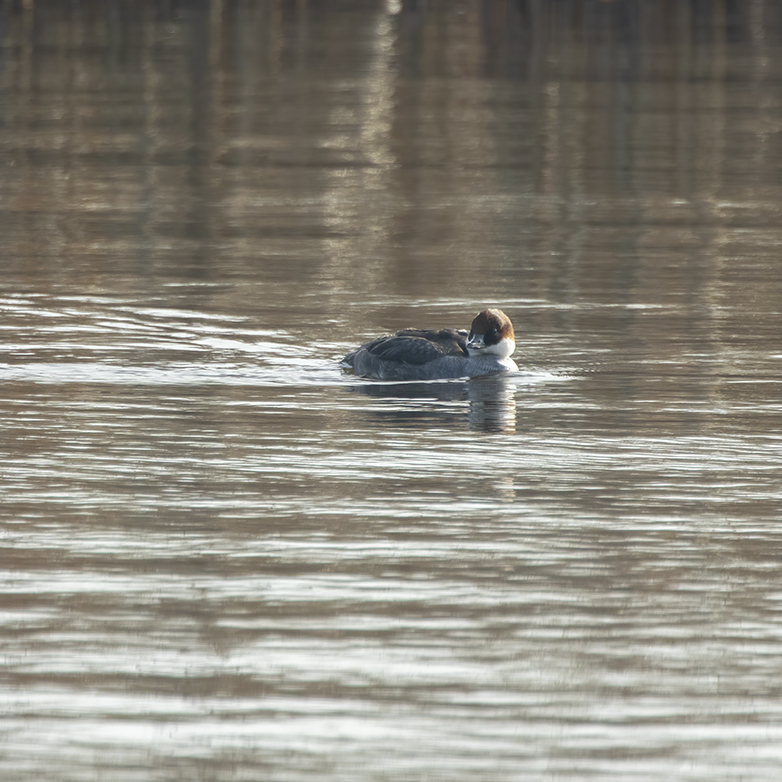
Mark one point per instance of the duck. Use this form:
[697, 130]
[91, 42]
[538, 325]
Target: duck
[426, 354]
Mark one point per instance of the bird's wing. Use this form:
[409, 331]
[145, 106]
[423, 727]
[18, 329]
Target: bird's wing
[419, 347]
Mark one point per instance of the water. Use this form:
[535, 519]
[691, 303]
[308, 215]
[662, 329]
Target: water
[223, 558]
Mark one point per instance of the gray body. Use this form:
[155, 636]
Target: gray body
[414, 354]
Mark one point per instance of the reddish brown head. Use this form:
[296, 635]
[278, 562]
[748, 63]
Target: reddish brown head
[491, 332]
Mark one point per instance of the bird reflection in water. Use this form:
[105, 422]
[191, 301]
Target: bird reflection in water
[491, 402]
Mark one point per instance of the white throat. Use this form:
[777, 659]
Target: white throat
[503, 348]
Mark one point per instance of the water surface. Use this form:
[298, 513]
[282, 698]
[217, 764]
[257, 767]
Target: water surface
[225, 559]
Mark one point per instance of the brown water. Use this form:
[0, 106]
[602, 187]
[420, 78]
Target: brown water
[223, 559]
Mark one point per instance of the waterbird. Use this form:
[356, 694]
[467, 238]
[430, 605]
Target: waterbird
[425, 354]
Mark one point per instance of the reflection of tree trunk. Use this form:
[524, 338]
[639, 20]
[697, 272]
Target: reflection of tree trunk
[415, 135]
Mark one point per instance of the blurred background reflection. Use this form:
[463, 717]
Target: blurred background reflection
[224, 559]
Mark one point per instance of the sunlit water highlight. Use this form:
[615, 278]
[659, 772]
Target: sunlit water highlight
[224, 558]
